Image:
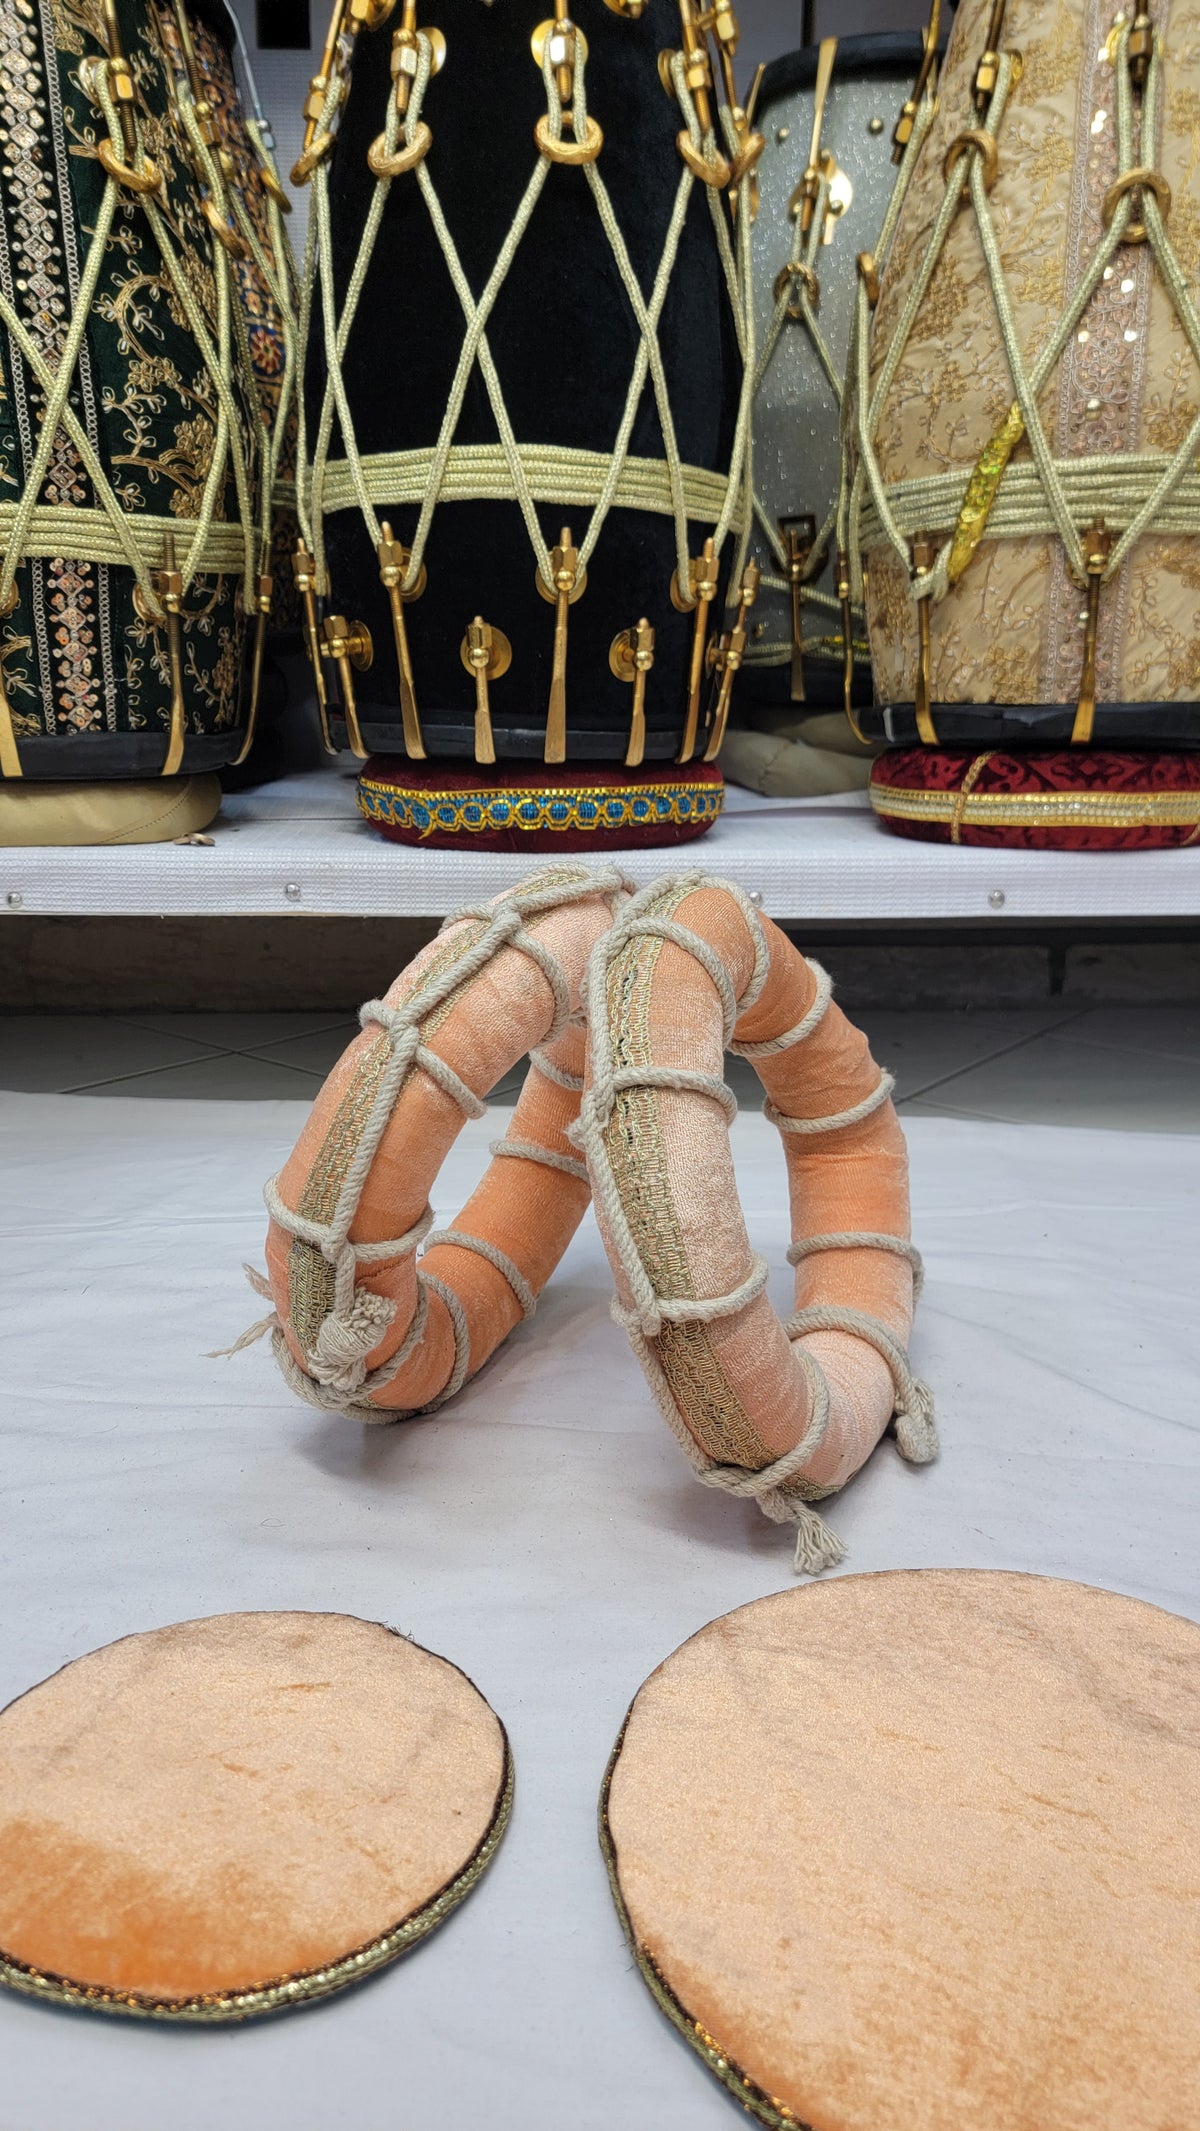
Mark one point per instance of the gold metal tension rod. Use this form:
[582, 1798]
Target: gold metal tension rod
[843, 593]
[487, 655]
[570, 584]
[799, 539]
[630, 658]
[349, 646]
[726, 658]
[908, 116]
[348, 18]
[304, 570]
[804, 199]
[264, 592]
[987, 73]
[924, 555]
[703, 585]
[168, 584]
[393, 568]
[1098, 546]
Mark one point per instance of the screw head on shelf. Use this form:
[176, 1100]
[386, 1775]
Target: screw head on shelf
[293, 891]
[15, 901]
[997, 898]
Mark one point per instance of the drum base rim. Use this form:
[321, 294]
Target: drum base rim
[214, 2009]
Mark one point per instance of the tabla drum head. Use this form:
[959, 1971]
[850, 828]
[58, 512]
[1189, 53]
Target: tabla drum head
[231, 1816]
[921, 1852]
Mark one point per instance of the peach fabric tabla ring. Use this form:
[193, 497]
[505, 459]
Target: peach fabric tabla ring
[781, 1414]
[359, 1325]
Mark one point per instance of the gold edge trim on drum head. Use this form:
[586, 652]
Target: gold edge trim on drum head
[280, 1996]
[1123, 810]
[752, 2098]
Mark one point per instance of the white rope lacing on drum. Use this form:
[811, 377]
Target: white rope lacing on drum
[528, 1150]
[335, 1374]
[796, 302]
[139, 545]
[367, 479]
[1054, 495]
[461, 1239]
[777, 1488]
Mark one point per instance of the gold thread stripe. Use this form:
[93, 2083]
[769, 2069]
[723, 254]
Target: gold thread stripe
[62, 529]
[479, 473]
[981, 491]
[599, 807]
[1124, 810]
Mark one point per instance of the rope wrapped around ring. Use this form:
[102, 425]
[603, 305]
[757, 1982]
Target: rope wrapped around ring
[684, 1334]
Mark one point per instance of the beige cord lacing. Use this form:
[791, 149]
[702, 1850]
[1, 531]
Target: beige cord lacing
[1139, 492]
[778, 1489]
[527, 473]
[111, 533]
[335, 1375]
[795, 296]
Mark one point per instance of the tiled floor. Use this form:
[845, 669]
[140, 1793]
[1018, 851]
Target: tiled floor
[1129, 1068]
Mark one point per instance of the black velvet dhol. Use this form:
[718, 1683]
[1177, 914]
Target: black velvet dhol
[564, 341]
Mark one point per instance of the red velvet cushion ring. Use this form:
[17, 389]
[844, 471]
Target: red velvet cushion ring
[529, 807]
[1079, 799]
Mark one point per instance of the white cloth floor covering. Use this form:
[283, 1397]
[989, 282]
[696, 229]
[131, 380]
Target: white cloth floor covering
[542, 1532]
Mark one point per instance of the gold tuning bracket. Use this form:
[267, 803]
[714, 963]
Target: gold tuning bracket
[304, 570]
[987, 73]
[349, 646]
[728, 656]
[393, 569]
[844, 588]
[924, 555]
[347, 19]
[868, 274]
[406, 53]
[630, 658]
[120, 80]
[570, 584]
[809, 189]
[633, 10]
[712, 170]
[567, 44]
[703, 585]
[799, 536]
[929, 58]
[168, 588]
[1098, 546]
[264, 594]
[487, 655]
[1141, 47]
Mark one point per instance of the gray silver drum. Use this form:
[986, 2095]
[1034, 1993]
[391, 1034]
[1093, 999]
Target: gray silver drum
[797, 447]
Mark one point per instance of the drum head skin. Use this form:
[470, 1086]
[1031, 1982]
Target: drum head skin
[921, 1852]
[231, 1816]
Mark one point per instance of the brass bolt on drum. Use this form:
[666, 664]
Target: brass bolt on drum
[1026, 506]
[136, 531]
[525, 453]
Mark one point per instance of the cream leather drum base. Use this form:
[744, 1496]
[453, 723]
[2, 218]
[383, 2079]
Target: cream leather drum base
[921, 1852]
[231, 1816]
[156, 812]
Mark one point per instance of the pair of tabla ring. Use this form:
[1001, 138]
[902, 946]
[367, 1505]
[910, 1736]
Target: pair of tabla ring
[626, 1004]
